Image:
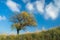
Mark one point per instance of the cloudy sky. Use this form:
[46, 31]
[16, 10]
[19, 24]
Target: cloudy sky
[46, 12]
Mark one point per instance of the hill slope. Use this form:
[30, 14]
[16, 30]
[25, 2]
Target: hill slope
[51, 34]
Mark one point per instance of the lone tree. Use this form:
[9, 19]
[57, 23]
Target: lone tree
[20, 21]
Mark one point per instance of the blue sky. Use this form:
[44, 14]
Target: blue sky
[46, 12]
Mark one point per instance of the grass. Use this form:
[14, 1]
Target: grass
[52, 34]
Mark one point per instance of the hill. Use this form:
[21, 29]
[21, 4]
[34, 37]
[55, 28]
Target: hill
[51, 34]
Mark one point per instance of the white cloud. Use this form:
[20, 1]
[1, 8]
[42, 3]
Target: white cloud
[2, 18]
[12, 5]
[30, 6]
[57, 3]
[51, 11]
[26, 1]
[40, 6]
[36, 6]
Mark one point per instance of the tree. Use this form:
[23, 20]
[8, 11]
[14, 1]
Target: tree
[20, 21]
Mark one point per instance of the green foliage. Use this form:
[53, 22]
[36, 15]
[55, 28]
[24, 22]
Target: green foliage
[52, 34]
[20, 21]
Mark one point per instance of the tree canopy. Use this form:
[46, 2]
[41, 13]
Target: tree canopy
[23, 19]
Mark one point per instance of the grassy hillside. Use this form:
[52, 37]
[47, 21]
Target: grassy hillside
[51, 34]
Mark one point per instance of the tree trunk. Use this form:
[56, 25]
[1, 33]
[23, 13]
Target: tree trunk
[18, 31]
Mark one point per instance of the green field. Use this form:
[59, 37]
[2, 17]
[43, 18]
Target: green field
[51, 34]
